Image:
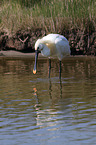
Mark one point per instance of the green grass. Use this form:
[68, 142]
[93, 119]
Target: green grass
[52, 16]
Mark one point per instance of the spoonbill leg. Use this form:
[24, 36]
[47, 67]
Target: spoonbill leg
[49, 67]
[60, 69]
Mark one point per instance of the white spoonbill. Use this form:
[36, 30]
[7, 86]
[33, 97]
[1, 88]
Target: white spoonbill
[52, 45]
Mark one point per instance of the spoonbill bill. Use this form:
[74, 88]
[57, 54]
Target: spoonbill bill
[52, 45]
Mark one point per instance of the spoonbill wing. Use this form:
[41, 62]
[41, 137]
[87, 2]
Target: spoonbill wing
[63, 48]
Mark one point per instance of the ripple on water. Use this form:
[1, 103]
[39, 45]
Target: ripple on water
[37, 110]
[53, 80]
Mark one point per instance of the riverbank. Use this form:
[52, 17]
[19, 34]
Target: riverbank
[11, 54]
[81, 43]
[23, 22]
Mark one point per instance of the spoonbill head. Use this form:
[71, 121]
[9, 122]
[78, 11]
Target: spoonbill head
[52, 45]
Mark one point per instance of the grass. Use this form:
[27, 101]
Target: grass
[53, 16]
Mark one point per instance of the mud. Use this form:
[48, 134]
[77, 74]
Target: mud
[82, 42]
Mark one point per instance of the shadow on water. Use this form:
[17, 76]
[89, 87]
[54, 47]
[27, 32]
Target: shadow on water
[38, 110]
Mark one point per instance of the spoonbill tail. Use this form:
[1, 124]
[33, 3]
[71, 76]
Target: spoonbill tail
[52, 45]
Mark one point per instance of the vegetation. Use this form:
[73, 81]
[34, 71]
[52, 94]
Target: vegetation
[74, 17]
[51, 15]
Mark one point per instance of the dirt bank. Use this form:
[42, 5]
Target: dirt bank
[82, 42]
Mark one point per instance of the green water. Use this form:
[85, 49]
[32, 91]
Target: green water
[36, 110]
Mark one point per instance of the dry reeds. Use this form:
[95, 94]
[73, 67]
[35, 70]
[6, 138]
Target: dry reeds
[53, 16]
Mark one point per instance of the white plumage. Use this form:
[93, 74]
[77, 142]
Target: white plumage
[52, 45]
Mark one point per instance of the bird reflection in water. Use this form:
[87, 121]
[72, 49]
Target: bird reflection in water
[44, 115]
[36, 96]
[35, 90]
[50, 90]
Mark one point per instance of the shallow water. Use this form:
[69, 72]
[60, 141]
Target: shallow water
[41, 111]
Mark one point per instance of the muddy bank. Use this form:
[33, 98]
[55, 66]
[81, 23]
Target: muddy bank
[22, 41]
[82, 42]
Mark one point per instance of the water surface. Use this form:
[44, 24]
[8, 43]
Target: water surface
[37, 110]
